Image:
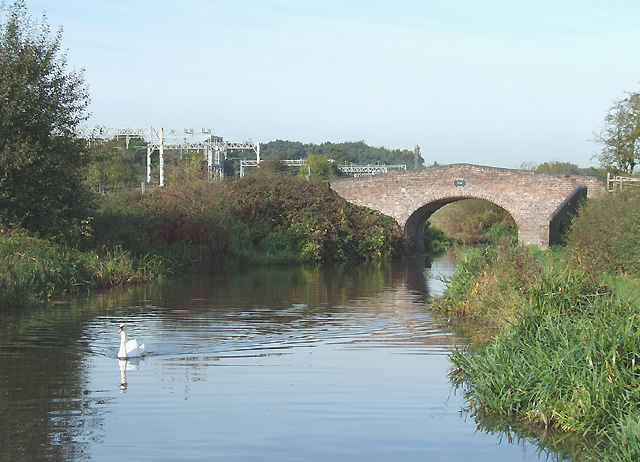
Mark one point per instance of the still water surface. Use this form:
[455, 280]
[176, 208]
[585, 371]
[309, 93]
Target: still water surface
[287, 364]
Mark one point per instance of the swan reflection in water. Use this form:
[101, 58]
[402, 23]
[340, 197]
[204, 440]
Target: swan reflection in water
[128, 356]
[127, 365]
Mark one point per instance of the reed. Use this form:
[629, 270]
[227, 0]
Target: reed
[489, 283]
[34, 269]
[569, 360]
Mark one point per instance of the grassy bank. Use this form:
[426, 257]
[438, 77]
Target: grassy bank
[35, 269]
[559, 340]
[567, 359]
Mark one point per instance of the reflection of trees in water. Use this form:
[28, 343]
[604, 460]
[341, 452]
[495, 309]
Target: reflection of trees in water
[277, 298]
[315, 286]
[47, 412]
[263, 306]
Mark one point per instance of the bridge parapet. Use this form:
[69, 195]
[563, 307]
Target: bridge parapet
[540, 204]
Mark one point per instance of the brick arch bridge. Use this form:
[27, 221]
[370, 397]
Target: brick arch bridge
[540, 204]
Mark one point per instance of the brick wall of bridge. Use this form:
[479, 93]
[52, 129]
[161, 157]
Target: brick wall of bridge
[540, 204]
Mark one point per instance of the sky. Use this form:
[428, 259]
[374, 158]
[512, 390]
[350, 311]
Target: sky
[494, 82]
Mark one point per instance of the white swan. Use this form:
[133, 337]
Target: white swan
[129, 349]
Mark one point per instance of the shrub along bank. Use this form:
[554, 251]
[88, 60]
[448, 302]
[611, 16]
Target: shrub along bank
[560, 344]
[254, 220]
[197, 226]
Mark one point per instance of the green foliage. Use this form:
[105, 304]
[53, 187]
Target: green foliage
[42, 104]
[560, 168]
[270, 167]
[319, 168]
[355, 152]
[312, 219]
[33, 269]
[436, 241]
[568, 361]
[189, 168]
[253, 220]
[558, 344]
[620, 136]
[490, 283]
[112, 167]
[605, 236]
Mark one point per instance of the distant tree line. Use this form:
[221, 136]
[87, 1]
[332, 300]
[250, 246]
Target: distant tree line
[560, 168]
[356, 152]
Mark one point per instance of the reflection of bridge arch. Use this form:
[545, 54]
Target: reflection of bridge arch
[540, 204]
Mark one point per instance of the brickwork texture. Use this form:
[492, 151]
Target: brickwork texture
[540, 204]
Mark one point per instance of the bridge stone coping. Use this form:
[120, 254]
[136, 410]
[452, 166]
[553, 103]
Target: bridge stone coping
[541, 204]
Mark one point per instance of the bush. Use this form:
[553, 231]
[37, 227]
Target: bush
[312, 220]
[605, 236]
[435, 240]
[253, 220]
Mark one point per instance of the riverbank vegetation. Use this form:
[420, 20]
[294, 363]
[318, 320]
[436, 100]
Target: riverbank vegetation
[557, 333]
[254, 220]
[34, 269]
[196, 226]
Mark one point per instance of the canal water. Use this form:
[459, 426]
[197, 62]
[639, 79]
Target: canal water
[285, 364]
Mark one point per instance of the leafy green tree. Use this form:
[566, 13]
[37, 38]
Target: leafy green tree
[113, 167]
[42, 104]
[272, 166]
[318, 168]
[557, 167]
[620, 135]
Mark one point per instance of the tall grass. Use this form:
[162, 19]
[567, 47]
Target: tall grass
[490, 282]
[33, 269]
[569, 360]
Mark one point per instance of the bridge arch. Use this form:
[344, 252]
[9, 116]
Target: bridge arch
[540, 204]
[417, 221]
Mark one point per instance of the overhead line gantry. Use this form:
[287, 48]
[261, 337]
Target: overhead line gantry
[214, 147]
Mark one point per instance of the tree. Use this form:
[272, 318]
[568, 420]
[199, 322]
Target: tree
[112, 167]
[620, 136]
[318, 168]
[272, 166]
[41, 106]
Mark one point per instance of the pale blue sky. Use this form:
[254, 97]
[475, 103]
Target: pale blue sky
[495, 82]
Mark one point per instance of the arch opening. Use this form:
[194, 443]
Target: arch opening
[469, 223]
